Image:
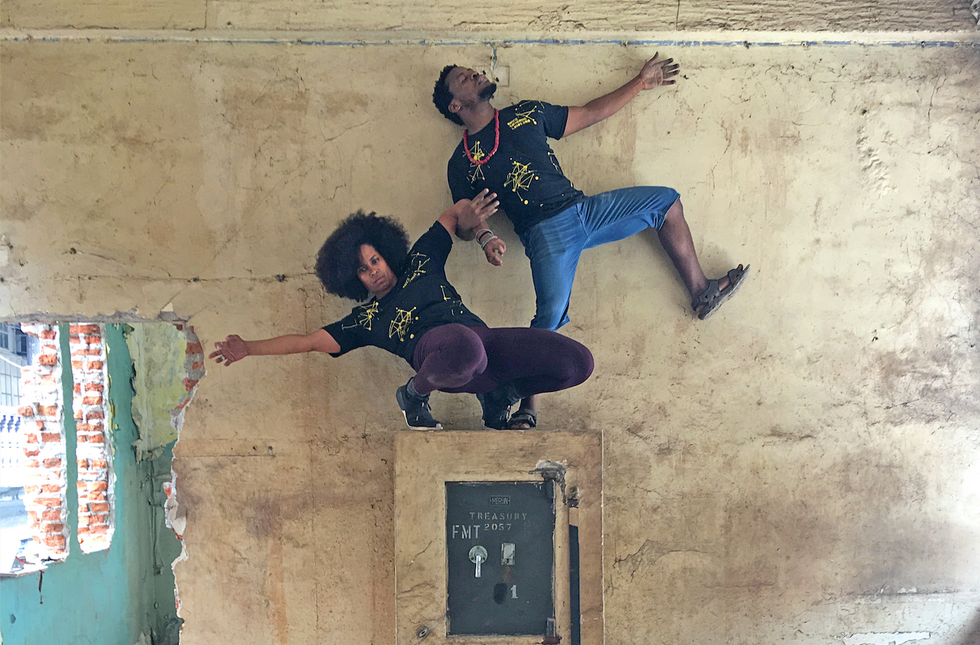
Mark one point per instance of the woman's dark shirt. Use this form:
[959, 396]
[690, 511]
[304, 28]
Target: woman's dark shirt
[421, 299]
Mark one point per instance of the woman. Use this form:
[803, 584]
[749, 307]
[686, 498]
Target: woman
[415, 312]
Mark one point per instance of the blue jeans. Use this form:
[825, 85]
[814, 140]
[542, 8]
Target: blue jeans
[554, 245]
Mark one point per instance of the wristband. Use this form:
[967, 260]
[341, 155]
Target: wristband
[482, 232]
[483, 244]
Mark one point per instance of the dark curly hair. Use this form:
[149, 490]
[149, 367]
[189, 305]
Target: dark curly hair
[340, 256]
[442, 97]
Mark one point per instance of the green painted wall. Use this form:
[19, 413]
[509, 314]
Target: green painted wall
[108, 597]
[157, 351]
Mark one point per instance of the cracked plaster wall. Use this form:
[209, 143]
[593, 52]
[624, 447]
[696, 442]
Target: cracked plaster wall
[801, 468]
[158, 352]
[553, 16]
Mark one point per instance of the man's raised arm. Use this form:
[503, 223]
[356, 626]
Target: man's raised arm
[653, 74]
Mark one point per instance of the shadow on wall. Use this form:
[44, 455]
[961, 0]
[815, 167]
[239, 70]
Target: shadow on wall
[972, 635]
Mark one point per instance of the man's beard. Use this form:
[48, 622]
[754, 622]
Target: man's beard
[487, 92]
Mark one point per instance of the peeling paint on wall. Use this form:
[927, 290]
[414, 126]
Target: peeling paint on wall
[158, 360]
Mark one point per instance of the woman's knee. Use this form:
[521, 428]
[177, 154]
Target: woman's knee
[461, 356]
[571, 361]
[579, 362]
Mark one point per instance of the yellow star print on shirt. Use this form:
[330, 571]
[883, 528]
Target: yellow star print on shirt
[477, 153]
[365, 316]
[521, 118]
[400, 323]
[554, 161]
[520, 178]
[453, 301]
[416, 263]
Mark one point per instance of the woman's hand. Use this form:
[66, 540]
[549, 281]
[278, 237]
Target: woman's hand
[494, 251]
[232, 349]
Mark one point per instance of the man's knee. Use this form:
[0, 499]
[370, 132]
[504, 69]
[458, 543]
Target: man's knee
[675, 213]
[550, 316]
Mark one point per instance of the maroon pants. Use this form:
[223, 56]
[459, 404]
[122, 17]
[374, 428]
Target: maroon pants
[454, 358]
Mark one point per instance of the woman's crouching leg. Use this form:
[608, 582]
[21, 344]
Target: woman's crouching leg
[447, 358]
[533, 360]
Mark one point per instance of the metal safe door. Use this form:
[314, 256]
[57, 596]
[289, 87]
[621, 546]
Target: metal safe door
[500, 550]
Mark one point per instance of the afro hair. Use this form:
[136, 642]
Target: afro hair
[340, 256]
[442, 97]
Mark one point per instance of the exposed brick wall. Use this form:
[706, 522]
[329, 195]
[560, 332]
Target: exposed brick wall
[93, 450]
[193, 363]
[44, 440]
[42, 410]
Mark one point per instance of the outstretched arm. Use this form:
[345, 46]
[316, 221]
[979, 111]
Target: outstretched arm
[654, 74]
[234, 348]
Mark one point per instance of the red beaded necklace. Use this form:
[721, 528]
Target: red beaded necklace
[496, 142]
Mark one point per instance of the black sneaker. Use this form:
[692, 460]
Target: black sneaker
[416, 410]
[496, 406]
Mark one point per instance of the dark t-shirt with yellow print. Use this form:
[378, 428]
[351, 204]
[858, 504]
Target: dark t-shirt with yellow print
[524, 171]
[420, 300]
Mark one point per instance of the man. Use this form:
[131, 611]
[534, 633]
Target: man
[507, 153]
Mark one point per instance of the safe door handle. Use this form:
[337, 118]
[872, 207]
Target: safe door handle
[478, 555]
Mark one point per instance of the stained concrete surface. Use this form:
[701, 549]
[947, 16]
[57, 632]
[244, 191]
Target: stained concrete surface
[801, 468]
[546, 16]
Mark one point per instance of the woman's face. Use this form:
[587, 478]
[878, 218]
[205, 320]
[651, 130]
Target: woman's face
[375, 274]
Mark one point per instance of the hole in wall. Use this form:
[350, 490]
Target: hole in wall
[152, 369]
[18, 551]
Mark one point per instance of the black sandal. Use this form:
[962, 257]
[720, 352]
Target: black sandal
[496, 406]
[713, 297]
[524, 416]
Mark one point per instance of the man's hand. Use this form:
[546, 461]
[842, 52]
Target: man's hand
[232, 349]
[655, 73]
[494, 251]
[658, 72]
[471, 213]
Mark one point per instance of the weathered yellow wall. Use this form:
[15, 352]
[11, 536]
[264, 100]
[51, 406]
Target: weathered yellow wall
[803, 467]
[554, 16]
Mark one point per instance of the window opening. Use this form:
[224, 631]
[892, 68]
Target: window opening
[33, 529]
[56, 383]
[93, 442]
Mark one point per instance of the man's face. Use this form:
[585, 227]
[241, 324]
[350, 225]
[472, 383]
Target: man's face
[469, 87]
